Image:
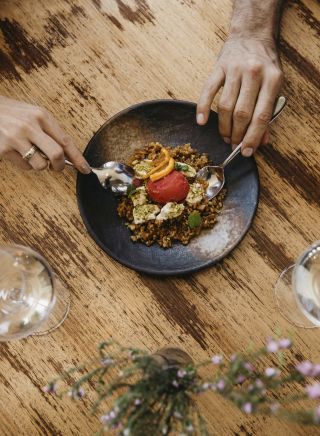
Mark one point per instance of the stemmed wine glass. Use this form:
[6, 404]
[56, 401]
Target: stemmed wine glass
[33, 301]
[297, 290]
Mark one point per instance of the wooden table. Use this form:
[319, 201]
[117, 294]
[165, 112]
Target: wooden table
[86, 60]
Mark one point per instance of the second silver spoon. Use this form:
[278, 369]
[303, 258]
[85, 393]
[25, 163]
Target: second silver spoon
[214, 175]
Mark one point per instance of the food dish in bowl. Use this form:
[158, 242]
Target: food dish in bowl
[166, 203]
[168, 122]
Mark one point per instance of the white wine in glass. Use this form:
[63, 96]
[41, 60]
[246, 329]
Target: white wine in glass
[297, 290]
[33, 301]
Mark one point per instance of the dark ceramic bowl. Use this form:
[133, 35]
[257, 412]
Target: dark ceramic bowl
[169, 122]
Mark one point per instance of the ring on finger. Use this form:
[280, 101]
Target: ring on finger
[30, 153]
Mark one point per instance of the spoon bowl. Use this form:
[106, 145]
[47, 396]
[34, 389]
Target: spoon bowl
[214, 175]
[118, 176]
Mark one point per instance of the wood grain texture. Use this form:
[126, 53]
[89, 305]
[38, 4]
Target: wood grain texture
[85, 60]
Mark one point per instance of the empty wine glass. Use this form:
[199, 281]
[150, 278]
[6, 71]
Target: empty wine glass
[33, 301]
[297, 290]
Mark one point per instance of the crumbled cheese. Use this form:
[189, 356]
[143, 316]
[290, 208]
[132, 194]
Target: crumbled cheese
[186, 169]
[143, 167]
[145, 212]
[169, 211]
[195, 193]
[139, 197]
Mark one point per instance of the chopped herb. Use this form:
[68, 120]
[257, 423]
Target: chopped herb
[181, 167]
[131, 190]
[194, 219]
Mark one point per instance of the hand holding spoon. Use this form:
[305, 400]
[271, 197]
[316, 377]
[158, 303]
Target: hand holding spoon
[214, 175]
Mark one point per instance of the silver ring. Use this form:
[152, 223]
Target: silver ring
[30, 153]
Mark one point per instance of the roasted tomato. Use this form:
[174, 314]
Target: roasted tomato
[173, 187]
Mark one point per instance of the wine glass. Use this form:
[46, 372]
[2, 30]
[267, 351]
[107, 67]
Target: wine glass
[297, 290]
[33, 300]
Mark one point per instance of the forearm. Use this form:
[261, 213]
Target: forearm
[256, 19]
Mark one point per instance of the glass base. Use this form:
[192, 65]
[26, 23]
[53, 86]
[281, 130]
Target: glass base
[59, 312]
[287, 303]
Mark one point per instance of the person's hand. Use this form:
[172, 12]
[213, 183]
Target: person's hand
[23, 125]
[250, 73]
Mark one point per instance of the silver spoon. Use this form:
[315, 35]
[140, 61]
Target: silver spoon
[214, 175]
[115, 175]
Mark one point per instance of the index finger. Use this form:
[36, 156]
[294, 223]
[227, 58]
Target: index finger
[210, 89]
[52, 128]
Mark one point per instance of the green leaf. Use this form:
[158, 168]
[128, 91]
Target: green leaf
[131, 190]
[194, 219]
[180, 167]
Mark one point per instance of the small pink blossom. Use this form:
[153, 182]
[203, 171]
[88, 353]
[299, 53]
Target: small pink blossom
[259, 383]
[272, 346]
[217, 359]
[249, 367]
[233, 357]
[274, 407]
[137, 402]
[305, 367]
[316, 370]
[284, 343]
[221, 385]
[313, 391]
[247, 408]
[270, 372]
[240, 379]
[181, 373]
[175, 384]
[177, 415]
[50, 388]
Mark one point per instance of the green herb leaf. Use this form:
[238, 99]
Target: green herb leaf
[131, 190]
[194, 219]
[180, 167]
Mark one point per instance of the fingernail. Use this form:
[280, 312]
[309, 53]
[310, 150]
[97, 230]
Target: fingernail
[200, 118]
[234, 146]
[226, 140]
[86, 168]
[247, 152]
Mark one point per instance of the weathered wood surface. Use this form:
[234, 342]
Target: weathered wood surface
[85, 60]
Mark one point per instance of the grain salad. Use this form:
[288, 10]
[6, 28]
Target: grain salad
[165, 203]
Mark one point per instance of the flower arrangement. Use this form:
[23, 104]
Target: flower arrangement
[158, 391]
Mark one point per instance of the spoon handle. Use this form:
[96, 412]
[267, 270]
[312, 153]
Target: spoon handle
[279, 106]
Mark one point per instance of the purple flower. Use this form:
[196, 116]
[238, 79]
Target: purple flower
[305, 367]
[104, 419]
[247, 408]
[221, 385]
[259, 383]
[249, 367]
[217, 359]
[284, 343]
[313, 391]
[190, 428]
[50, 388]
[274, 407]
[316, 370]
[272, 346]
[177, 415]
[317, 415]
[233, 357]
[76, 394]
[181, 373]
[175, 384]
[270, 372]
[205, 386]
[240, 379]
[107, 361]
